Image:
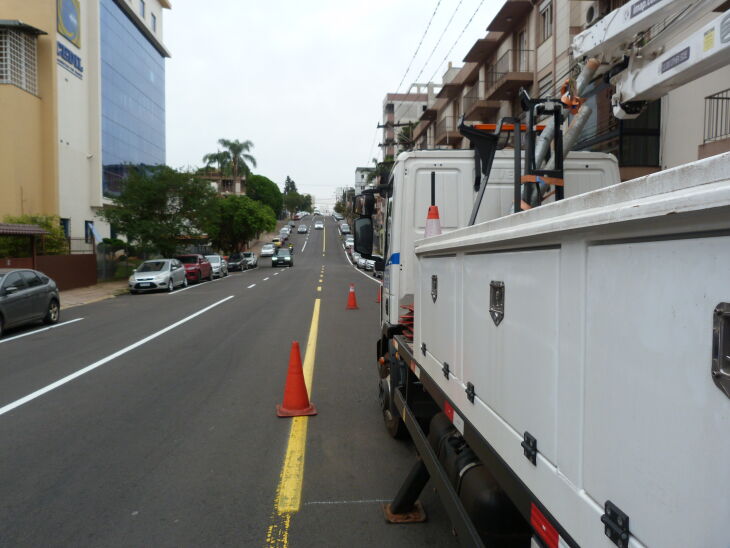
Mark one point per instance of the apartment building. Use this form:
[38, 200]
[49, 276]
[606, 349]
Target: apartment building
[528, 45]
[82, 92]
[399, 110]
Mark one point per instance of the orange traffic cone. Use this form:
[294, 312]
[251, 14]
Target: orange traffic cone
[380, 290]
[433, 223]
[351, 299]
[296, 401]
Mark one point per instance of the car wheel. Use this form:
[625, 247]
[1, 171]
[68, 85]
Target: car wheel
[199, 277]
[170, 286]
[53, 313]
[185, 282]
[1, 327]
[133, 291]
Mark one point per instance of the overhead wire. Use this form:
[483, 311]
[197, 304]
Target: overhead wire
[418, 48]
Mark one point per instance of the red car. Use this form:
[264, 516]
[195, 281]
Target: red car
[197, 267]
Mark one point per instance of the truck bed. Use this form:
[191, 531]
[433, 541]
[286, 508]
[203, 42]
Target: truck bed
[603, 353]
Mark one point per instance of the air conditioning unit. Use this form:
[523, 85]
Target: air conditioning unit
[593, 14]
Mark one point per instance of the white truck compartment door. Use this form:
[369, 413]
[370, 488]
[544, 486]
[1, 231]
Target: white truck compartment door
[448, 190]
[656, 426]
[514, 365]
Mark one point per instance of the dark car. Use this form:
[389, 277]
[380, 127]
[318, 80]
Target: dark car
[197, 267]
[282, 258]
[237, 261]
[27, 296]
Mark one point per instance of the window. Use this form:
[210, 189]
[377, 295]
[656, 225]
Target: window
[141, 8]
[14, 280]
[546, 20]
[66, 227]
[154, 22]
[545, 86]
[31, 279]
[18, 60]
[89, 232]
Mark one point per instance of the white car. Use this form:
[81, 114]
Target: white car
[267, 250]
[219, 265]
[361, 263]
[165, 274]
[318, 225]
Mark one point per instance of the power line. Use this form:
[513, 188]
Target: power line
[457, 39]
[438, 3]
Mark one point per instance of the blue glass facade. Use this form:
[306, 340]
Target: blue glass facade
[132, 98]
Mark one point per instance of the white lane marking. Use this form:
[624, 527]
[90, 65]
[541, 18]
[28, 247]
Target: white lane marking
[39, 330]
[88, 368]
[250, 286]
[305, 244]
[266, 278]
[276, 273]
[364, 501]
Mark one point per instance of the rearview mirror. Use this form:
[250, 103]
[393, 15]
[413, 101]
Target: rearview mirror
[364, 205]
[363, 229]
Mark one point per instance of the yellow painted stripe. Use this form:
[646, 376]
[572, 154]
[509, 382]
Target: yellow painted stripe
[289, 492]
[319, 289]
[324, 239]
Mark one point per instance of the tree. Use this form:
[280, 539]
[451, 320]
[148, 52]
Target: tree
[405, 137]
[158, 206]
[237, 220]
[54, 243]
[306, 202]
[238, 155]
[290, 187]
[266, 191]
[220, 158]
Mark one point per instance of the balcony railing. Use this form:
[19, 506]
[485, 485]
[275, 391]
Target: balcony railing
[513, 69]
[447, 131]
[717, 116]
[476, 106]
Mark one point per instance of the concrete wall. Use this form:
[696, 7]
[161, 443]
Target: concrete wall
[683, 111]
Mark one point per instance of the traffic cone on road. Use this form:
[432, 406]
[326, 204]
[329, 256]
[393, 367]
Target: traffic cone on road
[351, 299]
[296, 400]
[433, 222]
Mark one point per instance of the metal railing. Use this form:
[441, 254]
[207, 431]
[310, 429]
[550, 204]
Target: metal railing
[475, 94]
[446, 125]
[510, 61]
[717, 116]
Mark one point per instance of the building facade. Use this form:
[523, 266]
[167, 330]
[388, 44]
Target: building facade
[82, 97]
[528, 45]
[400, 110]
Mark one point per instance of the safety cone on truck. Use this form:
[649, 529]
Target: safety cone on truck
[433, 222]
[351, 299]
[296, 400]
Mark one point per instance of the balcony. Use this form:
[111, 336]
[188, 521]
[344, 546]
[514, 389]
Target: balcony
[717, 125]
[447, 132]
[476, 107]
[513, 70]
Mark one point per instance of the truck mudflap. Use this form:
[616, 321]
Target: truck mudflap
[499, 480]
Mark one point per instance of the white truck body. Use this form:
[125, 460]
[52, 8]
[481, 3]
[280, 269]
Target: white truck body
[455, 195]
[604, 352]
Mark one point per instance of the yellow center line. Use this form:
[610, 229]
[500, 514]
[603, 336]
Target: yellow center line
[289, 492]
[319, 289]
[324, 240]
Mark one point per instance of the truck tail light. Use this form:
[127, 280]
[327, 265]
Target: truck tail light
[543, 527]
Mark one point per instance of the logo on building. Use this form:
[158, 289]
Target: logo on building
[69, 20]
[69, 60]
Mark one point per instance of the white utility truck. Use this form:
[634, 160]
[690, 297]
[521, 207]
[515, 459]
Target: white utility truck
[564, 369]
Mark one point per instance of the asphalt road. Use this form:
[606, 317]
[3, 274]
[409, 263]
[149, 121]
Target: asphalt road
[149, 420]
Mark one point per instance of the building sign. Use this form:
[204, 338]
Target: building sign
[69, 60]
[69, 20]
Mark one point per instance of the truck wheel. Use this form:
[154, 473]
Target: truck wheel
[386, 388]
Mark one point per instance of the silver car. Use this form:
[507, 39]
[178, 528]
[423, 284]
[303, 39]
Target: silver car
[361, 262]
[219, 265]
[267, 250]
[27, 296]
[165, 274]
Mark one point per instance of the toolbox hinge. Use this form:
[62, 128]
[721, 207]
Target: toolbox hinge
[470, 392]
[445, 369]
[423, 348]
[616, 525]
[529, 447]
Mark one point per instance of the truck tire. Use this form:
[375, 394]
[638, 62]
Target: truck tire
[386, 388]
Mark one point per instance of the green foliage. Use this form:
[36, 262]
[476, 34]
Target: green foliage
[293, 201]
[405, 137]
[158, 206]
[54, 243]
[266, 191]
[237, 220]
[290, 187]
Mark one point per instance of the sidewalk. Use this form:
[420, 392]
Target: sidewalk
[92, 293]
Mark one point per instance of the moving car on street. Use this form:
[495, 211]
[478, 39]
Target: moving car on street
[197, 267]
[283, 257]
[157, 274]
[219, 265]
[277, 242]
[318, 225]
[302, 229]
[267, 250]
[27, 296]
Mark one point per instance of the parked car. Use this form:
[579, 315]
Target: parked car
[361, 263]
[318, 225]
[219, 265]
[283, 236]
[345, 228]
[369, 265]
[237, 261]
[302, 229]
[355, 256]
[197, 267]
[282, 258]
[156, 274]
[251, 259]
[349, 243]
[337, 216]
[27, 296]
[267, 250]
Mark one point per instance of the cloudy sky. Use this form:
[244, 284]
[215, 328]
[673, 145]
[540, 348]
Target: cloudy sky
[304, 81]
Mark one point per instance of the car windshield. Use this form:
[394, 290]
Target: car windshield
[267, 246]
[213, 258]
[248, 254]
[236, 256]
[189, 259]
[152, 266]
[283, 252]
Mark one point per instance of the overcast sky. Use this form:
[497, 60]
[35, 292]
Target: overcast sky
[305, 81]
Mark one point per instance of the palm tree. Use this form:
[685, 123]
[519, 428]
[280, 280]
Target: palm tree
[237, 155]
[221, 158]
